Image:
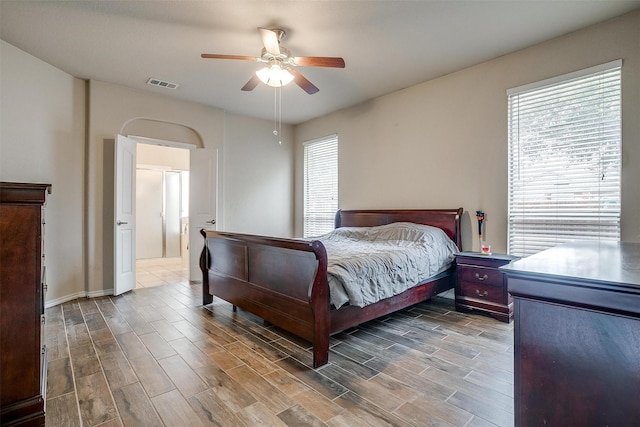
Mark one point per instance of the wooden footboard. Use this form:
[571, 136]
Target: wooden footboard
[284, 281]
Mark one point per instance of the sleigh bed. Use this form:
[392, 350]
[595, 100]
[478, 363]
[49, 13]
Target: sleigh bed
[284, 281]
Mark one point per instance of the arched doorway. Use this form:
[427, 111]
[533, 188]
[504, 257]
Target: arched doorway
[176, 178]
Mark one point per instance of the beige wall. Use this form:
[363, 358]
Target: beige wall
[262, 173]
[443, 143]
[112, 108]
[438, 144]
[42, 140]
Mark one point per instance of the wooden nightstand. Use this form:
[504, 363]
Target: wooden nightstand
[481, 286]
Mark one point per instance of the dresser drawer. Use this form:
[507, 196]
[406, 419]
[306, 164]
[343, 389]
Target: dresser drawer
[479, 275]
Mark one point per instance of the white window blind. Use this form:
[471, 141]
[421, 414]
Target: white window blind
[565, 160]
[320, 185]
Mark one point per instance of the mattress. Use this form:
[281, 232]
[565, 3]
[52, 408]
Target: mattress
[368, 264]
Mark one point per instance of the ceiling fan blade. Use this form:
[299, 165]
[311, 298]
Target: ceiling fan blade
[216, 56]
[319, 61]
[305, 84]
[251, 84]
[270, 41]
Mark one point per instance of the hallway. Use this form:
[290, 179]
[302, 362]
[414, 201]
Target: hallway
[160, 271]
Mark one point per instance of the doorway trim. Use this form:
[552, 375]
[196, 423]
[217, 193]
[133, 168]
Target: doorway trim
[181, 131]
[162, 142]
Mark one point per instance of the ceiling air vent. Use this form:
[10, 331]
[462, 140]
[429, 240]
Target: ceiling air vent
[162, 83]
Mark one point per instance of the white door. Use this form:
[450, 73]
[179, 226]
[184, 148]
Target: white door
[203, 167]
[125, 215]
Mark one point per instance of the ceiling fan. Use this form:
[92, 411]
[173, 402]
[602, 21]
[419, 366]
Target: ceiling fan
[280, 65]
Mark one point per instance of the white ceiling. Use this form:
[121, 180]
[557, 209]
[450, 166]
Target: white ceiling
[387, 45]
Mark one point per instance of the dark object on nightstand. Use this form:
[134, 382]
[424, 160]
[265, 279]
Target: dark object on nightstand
[23, 359]
[481, 286]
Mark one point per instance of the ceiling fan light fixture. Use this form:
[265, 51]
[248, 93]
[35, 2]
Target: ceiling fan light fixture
[274, 75]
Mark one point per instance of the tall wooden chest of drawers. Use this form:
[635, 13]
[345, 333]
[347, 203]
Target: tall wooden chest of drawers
[22, 353]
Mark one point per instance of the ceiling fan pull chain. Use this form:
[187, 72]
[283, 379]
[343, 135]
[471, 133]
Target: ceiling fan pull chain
[279, 115]
[275, 111]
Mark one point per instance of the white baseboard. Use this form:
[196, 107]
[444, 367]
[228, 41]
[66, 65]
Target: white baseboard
[61, 300]
[100, 293]
[83, 294]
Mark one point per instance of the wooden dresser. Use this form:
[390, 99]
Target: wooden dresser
[577, 335]
[23, 361]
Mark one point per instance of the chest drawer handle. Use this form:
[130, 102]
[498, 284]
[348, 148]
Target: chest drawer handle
[481, 278]
[481, 294]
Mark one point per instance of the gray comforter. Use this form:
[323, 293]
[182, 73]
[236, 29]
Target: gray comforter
[368, 264]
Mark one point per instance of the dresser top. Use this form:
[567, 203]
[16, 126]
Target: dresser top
[613, 262]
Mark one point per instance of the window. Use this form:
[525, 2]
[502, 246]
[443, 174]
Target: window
[320, 185]
[565, 160]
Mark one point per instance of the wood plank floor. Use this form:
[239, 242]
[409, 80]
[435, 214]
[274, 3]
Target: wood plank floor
[156, 357]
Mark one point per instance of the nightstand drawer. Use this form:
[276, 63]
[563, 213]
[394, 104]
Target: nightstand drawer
[481, 291]
[481, 276]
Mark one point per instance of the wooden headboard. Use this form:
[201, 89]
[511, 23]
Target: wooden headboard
[446, 219]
